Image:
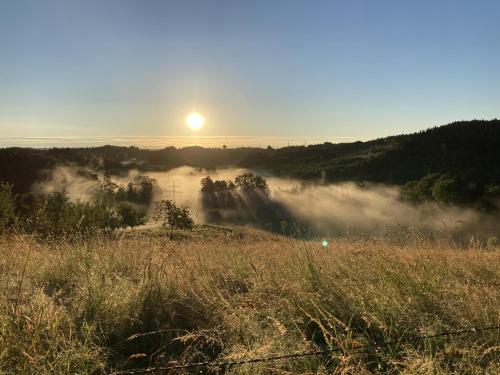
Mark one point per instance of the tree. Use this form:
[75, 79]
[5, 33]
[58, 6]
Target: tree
[421, 190]
[141, 190]
[207, 185]
[248, 183]
[208, 192]
[7, 206]
[106, 194]
[172, 216]
[50, 215]
[446, 189]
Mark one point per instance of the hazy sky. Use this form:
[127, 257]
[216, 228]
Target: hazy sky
[305, 69]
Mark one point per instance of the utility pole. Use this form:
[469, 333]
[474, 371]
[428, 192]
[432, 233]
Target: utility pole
[173, 190]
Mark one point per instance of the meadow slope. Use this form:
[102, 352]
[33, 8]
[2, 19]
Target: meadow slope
[143, 300]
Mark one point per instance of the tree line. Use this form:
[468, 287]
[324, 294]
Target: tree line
[111, 207]
[244, 200]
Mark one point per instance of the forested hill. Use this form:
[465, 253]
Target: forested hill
[468, 150]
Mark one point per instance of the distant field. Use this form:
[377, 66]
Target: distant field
[226, 293]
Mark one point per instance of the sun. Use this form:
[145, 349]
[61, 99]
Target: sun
[195, 121]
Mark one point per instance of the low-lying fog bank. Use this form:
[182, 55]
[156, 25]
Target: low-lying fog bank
[336, 209]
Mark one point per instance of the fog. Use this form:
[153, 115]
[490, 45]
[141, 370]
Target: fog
[79, 188]
[348, 208]
[333, 209]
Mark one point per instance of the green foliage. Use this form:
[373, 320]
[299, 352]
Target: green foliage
[218, 193]
[172, 216]
[130, 217]
[221, 193]
[449, 189]
[53, 215]
[107, 192]
[248, 200]
[249, 183]
[446, 189]
[140, 191]
[7, 206]
[420, 191]
[492, 243]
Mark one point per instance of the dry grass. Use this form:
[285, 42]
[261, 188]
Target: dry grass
[144, 300]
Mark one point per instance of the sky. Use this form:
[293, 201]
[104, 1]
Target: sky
[271, 71]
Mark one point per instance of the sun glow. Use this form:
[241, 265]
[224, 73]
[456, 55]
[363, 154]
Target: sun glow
[195, 121]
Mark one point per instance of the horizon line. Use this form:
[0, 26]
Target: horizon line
[158, 142]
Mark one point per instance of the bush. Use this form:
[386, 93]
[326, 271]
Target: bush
[492, 243]
[173, 216]
[53, 215]
[7, 206]
[129, 217]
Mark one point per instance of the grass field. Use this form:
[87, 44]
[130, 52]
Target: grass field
[231, 293]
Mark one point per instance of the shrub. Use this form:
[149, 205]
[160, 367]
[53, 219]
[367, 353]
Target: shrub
[492, 243]
[53, 215]
[7, 206]
[172, 216]
[129, 217]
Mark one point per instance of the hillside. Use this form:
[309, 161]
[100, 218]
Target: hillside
[468, 149]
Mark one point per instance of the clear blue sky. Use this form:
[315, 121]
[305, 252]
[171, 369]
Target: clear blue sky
[271, 68]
